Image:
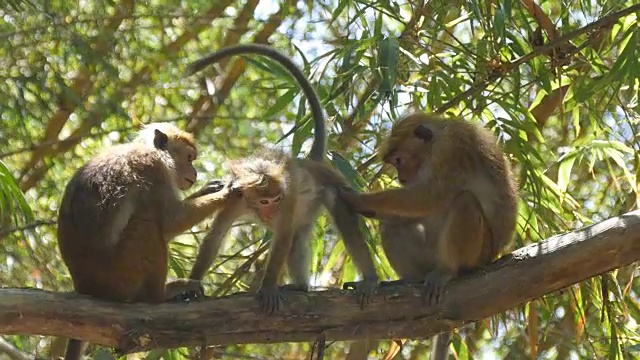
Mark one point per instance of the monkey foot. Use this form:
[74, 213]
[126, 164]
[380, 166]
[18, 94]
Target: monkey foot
[270, 299]
[364, 290]
[294, 287]
[396, 282]
[434, 286]
[184, 290]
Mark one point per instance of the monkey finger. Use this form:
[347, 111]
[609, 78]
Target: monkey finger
[235, 188]
[270, 300]
[434, 286]
[215, 185]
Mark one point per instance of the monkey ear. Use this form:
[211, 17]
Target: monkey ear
[423, 133]
[160, 140]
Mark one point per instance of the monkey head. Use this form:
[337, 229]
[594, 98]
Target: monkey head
[181, 147]
[409, 145]
[263, 185]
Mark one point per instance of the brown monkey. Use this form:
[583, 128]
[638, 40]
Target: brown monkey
[286, 194]
[457, 208]
[120, 210]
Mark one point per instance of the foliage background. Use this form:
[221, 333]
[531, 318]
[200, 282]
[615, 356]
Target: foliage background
[78, 76]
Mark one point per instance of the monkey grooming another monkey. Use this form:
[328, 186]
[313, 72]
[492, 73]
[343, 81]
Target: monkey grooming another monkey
[286, 194]
[120, 210]
[456, 210]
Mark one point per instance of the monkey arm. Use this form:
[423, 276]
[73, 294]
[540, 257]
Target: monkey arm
[211, 187]
[415, 201]
[213, 241]
[183, 214]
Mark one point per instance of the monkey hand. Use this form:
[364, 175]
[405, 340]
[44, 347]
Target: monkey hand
[184, 290]
[270, 299]
[210, 187]
[364, 290]
[434, 285]
[235, 188]
[355, 201]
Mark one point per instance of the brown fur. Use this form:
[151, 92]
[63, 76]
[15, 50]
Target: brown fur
[305, 186]
[120, 210]
[457, 208]
[286, 194]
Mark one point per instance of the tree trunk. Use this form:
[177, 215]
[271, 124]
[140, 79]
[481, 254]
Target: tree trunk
[396, 312]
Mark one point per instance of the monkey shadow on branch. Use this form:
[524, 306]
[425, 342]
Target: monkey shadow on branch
[395, 311]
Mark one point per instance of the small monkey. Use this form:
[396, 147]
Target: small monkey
[286, 194]
[120, 210]
[456, 210]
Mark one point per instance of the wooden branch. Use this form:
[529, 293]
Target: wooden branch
[397, 312]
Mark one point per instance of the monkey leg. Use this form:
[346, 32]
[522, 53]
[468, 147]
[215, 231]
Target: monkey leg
[350, 226]
[212, 243]
[299, 259]
[269, 296]
[459, 246]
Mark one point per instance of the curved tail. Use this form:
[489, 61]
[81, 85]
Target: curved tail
[318, 147]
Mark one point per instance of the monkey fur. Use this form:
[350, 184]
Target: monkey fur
[456, 210]
[286, 194]
[120, 210]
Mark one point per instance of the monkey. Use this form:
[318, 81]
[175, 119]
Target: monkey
[285, 194]
[456, 209]
[119, 211]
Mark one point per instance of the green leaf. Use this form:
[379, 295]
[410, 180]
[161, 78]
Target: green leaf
[283, 101]
[353, 177]
[389, 50]
[14, 208]
[498, 20]
[564, 172]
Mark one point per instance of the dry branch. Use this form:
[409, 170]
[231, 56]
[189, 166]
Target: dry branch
[397, 312]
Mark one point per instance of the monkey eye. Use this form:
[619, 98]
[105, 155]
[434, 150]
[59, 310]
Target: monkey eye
[278, 198]
[264, 202]
[394, 160]
[423, 133]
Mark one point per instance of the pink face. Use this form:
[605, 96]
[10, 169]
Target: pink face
[187, 174]
[410, 154]
[406, 165]
[266, 208]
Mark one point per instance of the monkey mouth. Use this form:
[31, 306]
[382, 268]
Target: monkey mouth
[191, 182]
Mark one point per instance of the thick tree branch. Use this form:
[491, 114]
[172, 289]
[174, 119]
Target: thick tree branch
[526, 274]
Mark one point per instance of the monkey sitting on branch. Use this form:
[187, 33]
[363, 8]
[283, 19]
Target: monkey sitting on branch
[456, 210]
[286, 194]
[120, 210]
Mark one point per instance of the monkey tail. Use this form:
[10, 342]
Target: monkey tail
[441, 346]
[74, 350]
[318, 147]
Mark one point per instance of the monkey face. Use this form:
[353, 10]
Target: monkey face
[265, 207]
[183, 155]
[410, 154]
[409, 146]
[406, 164]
